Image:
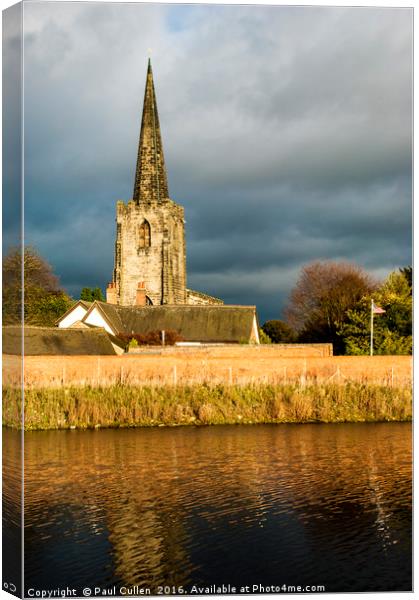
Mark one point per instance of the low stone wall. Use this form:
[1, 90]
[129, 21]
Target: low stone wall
[242, 350]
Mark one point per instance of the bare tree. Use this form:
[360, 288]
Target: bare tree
[324, 292]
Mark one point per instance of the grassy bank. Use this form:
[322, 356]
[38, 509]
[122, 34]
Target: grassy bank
[130, 406]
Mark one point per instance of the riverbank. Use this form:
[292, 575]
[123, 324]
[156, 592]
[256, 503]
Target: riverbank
[139, 406]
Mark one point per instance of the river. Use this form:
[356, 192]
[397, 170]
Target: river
[266, 505]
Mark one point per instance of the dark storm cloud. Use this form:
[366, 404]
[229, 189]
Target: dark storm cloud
[12, 130]
[287, 135]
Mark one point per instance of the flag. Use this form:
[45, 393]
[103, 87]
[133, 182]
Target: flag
[376, 309]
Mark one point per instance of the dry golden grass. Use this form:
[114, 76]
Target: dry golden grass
[219, 365]
[133, 406]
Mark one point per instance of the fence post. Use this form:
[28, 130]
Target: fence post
[304, 373]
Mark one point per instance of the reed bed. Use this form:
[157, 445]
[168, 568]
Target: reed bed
[132, 406]
[218, 366]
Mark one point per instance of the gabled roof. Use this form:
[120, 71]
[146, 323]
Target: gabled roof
[110, 312]
[84, 303]
[212, 323]
[53, 340]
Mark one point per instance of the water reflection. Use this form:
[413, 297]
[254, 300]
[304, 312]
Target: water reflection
[293, 504]
[12, 511]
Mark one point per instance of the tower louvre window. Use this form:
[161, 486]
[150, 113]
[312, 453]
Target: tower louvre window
[145, 235]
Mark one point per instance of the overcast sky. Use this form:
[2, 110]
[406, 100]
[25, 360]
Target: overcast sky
[287, 135]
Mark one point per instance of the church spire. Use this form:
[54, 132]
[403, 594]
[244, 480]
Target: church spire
[150, 174]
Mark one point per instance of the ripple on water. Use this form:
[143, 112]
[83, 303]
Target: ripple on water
[294, 504]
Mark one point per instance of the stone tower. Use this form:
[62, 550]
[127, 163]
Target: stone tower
[150, 256]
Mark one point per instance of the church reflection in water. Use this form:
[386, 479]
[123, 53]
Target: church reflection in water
[294, 504]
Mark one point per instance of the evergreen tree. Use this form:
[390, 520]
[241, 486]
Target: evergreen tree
[279, 332]
[408, 273]
[264, 337]
[392, 330]
[91, 294]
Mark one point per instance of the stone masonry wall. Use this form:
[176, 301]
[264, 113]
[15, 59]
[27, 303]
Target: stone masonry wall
[162, 265]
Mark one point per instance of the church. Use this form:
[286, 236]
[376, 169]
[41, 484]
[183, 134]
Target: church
[148, 291]
[150, 252]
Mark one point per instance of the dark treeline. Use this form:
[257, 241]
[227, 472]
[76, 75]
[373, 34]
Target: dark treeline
[331, 302]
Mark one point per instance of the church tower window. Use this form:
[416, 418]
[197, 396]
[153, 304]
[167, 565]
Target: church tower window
[145, 235]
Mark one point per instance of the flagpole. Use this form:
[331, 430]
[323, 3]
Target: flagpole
[372, 329]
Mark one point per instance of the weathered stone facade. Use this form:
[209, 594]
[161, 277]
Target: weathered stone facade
[160, 264]
[150, 248]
